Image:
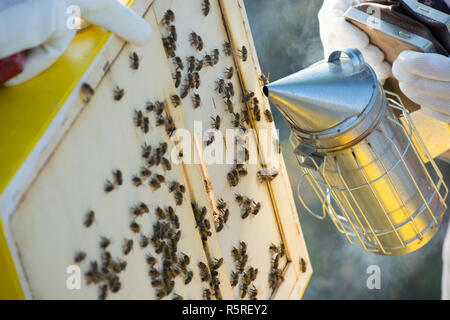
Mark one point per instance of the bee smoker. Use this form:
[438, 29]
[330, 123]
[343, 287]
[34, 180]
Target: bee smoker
[369, 169]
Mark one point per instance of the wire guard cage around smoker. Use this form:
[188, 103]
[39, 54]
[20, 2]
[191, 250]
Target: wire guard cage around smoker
[380, 188]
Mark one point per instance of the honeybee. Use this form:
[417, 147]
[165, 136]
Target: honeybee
[247, 97]
[184, 91]
[210, 139]
[215, 122]
[178, 198]
[86, 92]
[268, 115]
[229, 89]
[227, 50]
[118, 177]
[264, 80]
[257, 113]
[199, 46]
[157, 283]
[178, 63]
[160, 177]
[89, 219]
[196, 100]
[208, 60]
[190, 64]
[273, 249]
[175, 100]
[160, 213]
[118, 93]
[229, 73]
[144, 242]
[302, 265]
[205, 7]
[114, 284]
[266, 175]
[233, 178]
[226, 215]
[234, 279]
[243, 53]
[104, 242]
[174, 185]
[160, 294]
[134, 59]
[177, 78]
[236, 121]
[127, 246]
[135, 227]
[198, 65]
[204, 272]
[256, 209]
[169, 46]
[169, 17]
[253, 293]
[207, 294]
[245, 212]
[220, 224]
[136, 181]
[166, 164]
[220, 85]
[120, 266]
[215, 54]
[79, 256]
[159, 107]
[173, 32]
[188, 277]
[253, 273]
[239, 198]
[196, 77]
[282, 250]
[242, 247]
[160, 120]
[229, 104]
[108, 186]
[243, 291]
[138, 118]
[275, 261]
[217, 263]
[103, 292]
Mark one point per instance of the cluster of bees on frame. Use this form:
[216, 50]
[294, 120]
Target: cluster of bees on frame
[207, 274]
[276, 277]
[242, 276]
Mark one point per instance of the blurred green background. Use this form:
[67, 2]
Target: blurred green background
[286, 35]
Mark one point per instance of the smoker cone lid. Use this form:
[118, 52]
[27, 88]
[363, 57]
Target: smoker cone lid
[327, 94]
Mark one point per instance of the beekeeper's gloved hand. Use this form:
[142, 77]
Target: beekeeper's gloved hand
[425, 79]
[45, 28]
[336, 33]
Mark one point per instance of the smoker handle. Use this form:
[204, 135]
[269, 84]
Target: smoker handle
[356, 57]
[300, 198]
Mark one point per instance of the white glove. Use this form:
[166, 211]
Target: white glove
[43, 28]
[336, 33]
[425, 79]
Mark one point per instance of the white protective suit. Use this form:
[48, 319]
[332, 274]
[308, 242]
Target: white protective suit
[423, 77]
[46, 27]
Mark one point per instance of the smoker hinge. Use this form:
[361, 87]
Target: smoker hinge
[311, 159]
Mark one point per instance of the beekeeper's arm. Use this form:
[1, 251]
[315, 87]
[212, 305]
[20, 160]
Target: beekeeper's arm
[46, 27]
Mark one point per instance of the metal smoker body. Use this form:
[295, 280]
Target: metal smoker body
[364, 164]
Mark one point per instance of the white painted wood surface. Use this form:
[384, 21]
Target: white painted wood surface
[47, 227]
